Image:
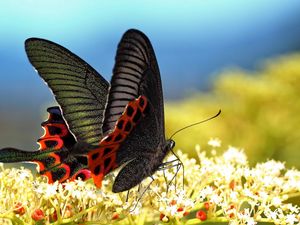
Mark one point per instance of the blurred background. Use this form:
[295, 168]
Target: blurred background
[238, 56]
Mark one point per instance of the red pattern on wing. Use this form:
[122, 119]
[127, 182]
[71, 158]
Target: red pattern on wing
[49, 173]
[56, 162]
[56, 137]
[56, 132]
[102, 160]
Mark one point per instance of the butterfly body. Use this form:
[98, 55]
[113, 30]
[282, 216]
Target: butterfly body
[139, 168]
[99, 126]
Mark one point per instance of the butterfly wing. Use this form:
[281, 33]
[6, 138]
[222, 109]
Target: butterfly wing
[58, 137]
[135, 73]
[56, 164]
[54, 157]
[78, 88]
[57, 134]
[135, 76]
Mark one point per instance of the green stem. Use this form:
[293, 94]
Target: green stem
[78, 215]
[294, 195]
[57, 209]
[265, 220]
[13, 219]
[213, 220]
[130, 220]
[198, 206]
[141, 219]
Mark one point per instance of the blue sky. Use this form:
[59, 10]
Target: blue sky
[193, 40]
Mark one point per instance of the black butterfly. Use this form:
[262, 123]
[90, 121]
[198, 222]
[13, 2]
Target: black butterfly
[99, 126]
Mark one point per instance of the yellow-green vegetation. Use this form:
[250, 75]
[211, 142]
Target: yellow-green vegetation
[260, 112]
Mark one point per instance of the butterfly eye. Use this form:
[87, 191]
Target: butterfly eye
[170, 144]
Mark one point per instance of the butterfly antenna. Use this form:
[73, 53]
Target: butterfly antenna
[194, 124]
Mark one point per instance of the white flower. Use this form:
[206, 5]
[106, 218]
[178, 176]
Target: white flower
[276, 201]
[206, 191]
[233, 222]
[136, 209]
[214, 142]
[235, 156]
[263, 195]
[69, 186]
[270, 214]
[172, 209]
[216, 199]
[77, 194]
[250, 221]
[234, 195]
[51, 190]
[293, 208]
[90, 194]
[247, 192]
[24, 174]
[291, 219]
[225, 185]
[271, 168]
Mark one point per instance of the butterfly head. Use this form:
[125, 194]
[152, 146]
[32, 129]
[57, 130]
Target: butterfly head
[170, 144]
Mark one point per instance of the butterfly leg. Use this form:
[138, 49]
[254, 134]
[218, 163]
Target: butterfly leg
[181, 165]
[170, 164]
[128, 192]
[127, 196]
[142, 194]
[139, 187]
[166, 181]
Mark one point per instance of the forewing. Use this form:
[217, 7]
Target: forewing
[135, 73]
[78, 88]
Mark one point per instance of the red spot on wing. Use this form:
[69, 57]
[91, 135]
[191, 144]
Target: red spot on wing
[56, 157]
[56, 161]
[84, 174]
[41, 166]
[98, 179]
[56, 133]
[67, 174]
[52, 129]
[56, 137]
[102, 160]
[49, 175]
[51, 142]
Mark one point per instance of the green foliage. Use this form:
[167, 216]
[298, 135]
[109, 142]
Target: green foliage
[260, 112]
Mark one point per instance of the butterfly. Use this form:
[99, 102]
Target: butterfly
[99, 126]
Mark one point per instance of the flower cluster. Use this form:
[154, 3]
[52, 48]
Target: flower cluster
[189, 191]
